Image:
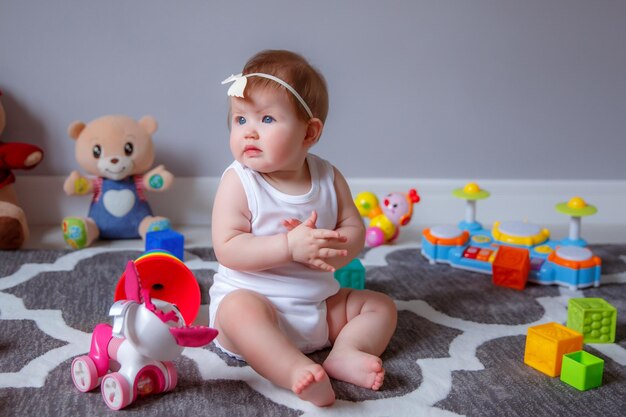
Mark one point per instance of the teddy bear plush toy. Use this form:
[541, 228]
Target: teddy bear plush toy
[13, 226]
[117, 152]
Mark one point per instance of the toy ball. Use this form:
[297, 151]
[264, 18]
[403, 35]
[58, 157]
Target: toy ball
[374, 237]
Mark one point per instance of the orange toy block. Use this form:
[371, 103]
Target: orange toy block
[511, 267]
[547, 343]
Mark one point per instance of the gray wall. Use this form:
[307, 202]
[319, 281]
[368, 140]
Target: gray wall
[468, 89]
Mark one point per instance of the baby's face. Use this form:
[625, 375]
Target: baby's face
[266, 134]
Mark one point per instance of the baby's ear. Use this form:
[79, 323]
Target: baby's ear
[75, 129]
[313, 131]
[149, 124]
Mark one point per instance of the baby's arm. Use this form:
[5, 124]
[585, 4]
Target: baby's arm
[237, 248]
[349, 223]
[349, 227]
[312, 246]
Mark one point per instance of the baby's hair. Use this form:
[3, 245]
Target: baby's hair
[295, 71]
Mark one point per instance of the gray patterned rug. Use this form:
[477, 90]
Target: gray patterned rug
[458, 349]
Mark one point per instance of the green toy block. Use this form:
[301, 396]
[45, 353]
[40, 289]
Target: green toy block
[582, 370]
[594, 318]
[351, 275]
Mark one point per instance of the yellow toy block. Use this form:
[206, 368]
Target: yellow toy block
[547, 343]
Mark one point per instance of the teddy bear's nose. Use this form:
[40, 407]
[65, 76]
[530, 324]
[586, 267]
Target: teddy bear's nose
[114, 161]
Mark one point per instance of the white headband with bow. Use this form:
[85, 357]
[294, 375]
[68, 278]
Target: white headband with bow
[239, 85]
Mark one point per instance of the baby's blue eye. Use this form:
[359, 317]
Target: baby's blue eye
[268, 119]
[241, 120]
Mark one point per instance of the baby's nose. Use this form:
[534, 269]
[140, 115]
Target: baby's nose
[252, 134]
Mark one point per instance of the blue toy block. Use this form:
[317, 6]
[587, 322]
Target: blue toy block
[351, 275]
[168, 240]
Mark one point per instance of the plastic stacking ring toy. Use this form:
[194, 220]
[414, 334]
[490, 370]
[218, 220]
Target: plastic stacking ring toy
[169, 280]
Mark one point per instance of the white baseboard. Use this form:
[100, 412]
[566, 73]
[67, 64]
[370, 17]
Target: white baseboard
[189, 201]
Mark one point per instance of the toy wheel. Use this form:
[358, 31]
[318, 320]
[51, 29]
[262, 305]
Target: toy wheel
[84, 373]
[172, 376]
[374, 237]
[116, 391]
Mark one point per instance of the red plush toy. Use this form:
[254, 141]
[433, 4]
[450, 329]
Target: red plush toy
[13, 226]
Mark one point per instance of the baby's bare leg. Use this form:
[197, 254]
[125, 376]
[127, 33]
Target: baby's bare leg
[248, 326]
[361, 324]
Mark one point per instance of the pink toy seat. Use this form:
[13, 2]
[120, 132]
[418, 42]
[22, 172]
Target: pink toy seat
[193, 336]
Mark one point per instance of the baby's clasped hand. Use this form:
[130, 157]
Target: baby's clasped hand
[310, 246]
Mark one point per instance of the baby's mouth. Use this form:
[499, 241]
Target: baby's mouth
[251, 149]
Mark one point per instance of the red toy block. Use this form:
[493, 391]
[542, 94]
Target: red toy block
[511, 267]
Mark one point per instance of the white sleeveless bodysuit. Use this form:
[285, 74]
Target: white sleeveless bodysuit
[299, 293]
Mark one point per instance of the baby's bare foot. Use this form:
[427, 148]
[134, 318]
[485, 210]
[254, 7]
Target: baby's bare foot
[311, 383]
[358, 368]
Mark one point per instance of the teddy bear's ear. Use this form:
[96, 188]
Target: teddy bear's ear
[75, 129]
[149, 124]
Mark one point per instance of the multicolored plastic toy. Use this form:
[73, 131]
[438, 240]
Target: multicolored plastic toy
[469, 246]
[385, 221]
[156, 300]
